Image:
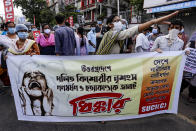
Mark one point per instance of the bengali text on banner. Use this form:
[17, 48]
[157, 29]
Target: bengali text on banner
[95, 88]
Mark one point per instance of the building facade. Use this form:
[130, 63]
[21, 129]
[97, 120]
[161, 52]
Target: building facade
[91, 10]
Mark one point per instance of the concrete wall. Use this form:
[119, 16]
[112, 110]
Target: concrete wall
[190, 24]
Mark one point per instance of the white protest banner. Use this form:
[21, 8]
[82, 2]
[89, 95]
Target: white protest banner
[95, 88]
[190, 65]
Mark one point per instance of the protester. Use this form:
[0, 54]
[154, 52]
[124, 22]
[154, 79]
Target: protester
[156, 32]
[128, 43]
[65, 42]
[33, 28]
[5, 42]
[92, 40]
[100, 31]
[4, 29]
[112, 41]
[142, 43]
[46, 41]
[170, 42]
[183, 36]
[24, 46]
[190, 81]
[81, 42]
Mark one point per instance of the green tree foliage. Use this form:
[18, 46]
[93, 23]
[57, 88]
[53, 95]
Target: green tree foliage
[138, 5]
[37, 8]
[68, 11]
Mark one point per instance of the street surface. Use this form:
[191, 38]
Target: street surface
[184, 121]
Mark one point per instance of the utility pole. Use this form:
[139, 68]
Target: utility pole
[118, 7]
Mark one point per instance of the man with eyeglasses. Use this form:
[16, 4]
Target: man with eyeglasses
[170, 42]
[113, 40]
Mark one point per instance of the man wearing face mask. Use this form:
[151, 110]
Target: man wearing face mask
[170, 42]
[142, 43]
[113, 40]
[92, 40]
[100, 31]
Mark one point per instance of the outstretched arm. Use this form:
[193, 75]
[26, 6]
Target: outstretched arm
[156, 21]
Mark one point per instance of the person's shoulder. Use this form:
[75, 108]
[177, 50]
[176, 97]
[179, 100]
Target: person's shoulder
[180, 41]
[140, 35]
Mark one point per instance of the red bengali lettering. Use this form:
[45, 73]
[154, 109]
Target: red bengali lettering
[81, 105]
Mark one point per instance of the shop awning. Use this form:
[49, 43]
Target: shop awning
[178, 6]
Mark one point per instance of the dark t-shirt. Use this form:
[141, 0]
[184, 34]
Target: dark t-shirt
[103, 31]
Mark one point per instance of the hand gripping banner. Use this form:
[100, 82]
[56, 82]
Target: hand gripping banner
[95, 88]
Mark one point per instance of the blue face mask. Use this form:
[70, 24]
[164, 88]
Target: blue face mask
[154, 31]
[93, 28]
[147, 34]
[23, 35]
[99, 22]
[11, 30]
[124, 27]
[34, 29]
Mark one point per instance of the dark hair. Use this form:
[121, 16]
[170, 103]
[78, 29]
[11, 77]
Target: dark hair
[81, 32]
[110, 19]
[60, 18]
[45, 25]
[93, 25]
[67, 24]
[7, 23]
[192, 45]
[148, 29]
[176, 22]
[33, 25]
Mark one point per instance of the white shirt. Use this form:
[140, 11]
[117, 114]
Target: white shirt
[6, 41]
[165, 44]
[142, 43]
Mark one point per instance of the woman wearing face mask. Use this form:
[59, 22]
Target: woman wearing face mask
[24, 46]
[113, 40]
[5, 42]
[46, 41]
[154, 35]
[81, 42]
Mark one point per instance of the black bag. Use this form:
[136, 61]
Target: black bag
[3, 61]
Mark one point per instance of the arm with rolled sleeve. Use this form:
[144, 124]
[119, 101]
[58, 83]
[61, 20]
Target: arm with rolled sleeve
[58, 43]
[128, 33]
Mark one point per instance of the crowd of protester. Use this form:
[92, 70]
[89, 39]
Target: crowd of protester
[113, 38]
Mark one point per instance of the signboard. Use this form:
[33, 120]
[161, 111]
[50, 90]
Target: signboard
[9, 10]
[149, 4]
[36, 34]
[71, 21]
[178, 6]
[190, 65]
[95, 88]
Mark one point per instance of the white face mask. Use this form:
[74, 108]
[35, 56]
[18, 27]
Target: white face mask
[47, 31]
[118, 26]
[173, 34]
